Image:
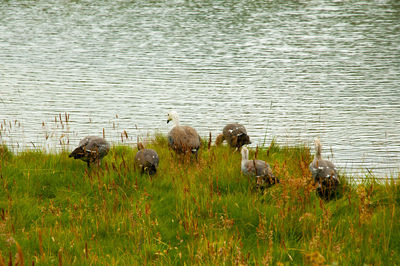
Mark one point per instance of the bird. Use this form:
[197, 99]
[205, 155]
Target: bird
[147, 160]
[324, 173]
[91, 149]
[235, 135]
[182, 139]
[258, 168]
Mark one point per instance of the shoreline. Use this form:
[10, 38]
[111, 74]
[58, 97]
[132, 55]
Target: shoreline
[125, 141]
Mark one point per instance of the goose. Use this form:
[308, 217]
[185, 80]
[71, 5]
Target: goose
[146, 159]
[91, 149]
[182, 139]
[259, 169]
[324, 173]
[235, 135]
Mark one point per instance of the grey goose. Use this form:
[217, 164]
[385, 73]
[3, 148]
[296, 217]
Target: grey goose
[91, 149]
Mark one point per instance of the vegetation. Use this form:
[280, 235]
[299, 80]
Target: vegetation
[54, 210]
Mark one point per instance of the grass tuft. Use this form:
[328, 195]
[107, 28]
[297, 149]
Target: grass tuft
[53, 209]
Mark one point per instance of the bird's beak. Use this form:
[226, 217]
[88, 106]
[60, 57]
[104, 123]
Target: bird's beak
[168, 121]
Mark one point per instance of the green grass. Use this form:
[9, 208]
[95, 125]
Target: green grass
[55, 210]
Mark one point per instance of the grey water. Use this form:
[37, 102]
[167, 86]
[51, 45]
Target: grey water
[287, 70]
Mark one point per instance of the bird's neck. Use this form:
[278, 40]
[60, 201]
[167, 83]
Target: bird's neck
[318, 152]
[245, 156]
[244, 161]
[175, 119]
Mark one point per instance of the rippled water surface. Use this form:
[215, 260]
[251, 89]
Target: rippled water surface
[290, 70]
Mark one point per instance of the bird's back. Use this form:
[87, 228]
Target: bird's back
[234, 129]
[236, 135]
[147, 160]
[147, 157]
[91, 148]
[321, 169]
[184, 138]
[99, 145]
[256, 168]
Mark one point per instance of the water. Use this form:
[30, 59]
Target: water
[290, 70]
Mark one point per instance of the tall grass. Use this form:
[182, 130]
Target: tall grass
[54, 210]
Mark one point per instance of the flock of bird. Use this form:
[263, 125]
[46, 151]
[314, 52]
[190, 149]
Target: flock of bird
[185, 139]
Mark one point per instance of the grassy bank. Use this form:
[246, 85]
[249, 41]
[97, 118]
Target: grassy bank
[53, 210]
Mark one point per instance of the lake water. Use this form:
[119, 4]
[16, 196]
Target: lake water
[289, 70]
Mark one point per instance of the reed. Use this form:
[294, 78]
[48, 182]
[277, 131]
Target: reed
[55, 210]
